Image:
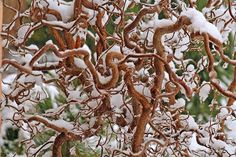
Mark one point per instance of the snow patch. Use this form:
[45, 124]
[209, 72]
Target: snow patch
[200, 24]
[204, 91]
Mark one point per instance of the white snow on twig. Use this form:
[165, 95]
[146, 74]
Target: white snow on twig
[200, 24]
[204, 91]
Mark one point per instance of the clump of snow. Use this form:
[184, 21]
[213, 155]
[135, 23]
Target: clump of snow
[189, 74]
[143, 90]
[22, 32]
[49, 42]
[92, 121]
[162, 23]
[92, 14]
[130, 65]
[80, 63]
[230, 125]
[82, 33]
[179, 55]
[84, 126]
[103, 79]
[190, 68]
[100, 2]
[154, 23]
[116, 100]
[204, 91]
[224, 112]
[117, 20]
[178, 41]
[200, 24]
[66, 9]
[60, 24]
[32, 47]
[53, 93]
[76, 94]
[188, 122]
[143, 72]
[27, 58]
[194, 144]
[4, 43]
[7, 81]
[63, 124]
[217, 144]
[202, 63]
[221, 15]
[179, 104]
[105, 18]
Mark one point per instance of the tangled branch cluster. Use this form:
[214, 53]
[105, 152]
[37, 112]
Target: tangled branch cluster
[124, 74]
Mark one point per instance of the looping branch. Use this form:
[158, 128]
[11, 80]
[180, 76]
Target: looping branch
[86, 56]
[116, 77]
[145, 115]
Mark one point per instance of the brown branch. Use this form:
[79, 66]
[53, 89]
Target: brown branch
[134, 24]
[89, 4]
[17, 65]
[77, 8]
[86, 56]
[212, 73]
[170, 89]
[145, 115]
[101, 31]
[159, 65]
[54, 13]
[216, 84]
[219, 47]
[70, 45]
[208, 51]
[209, 2]
[47, 123]
[191, 3]
[59, 140]
[173, 76]
[58, 39]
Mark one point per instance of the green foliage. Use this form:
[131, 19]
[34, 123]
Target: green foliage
[43, 106]
[11, 143]
[12, 133]
[40, 37]
[134, 9]
[84, 151]
[43, 137]
[201, 4]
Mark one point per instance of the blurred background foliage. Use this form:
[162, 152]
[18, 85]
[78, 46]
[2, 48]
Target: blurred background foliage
[201, 110]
